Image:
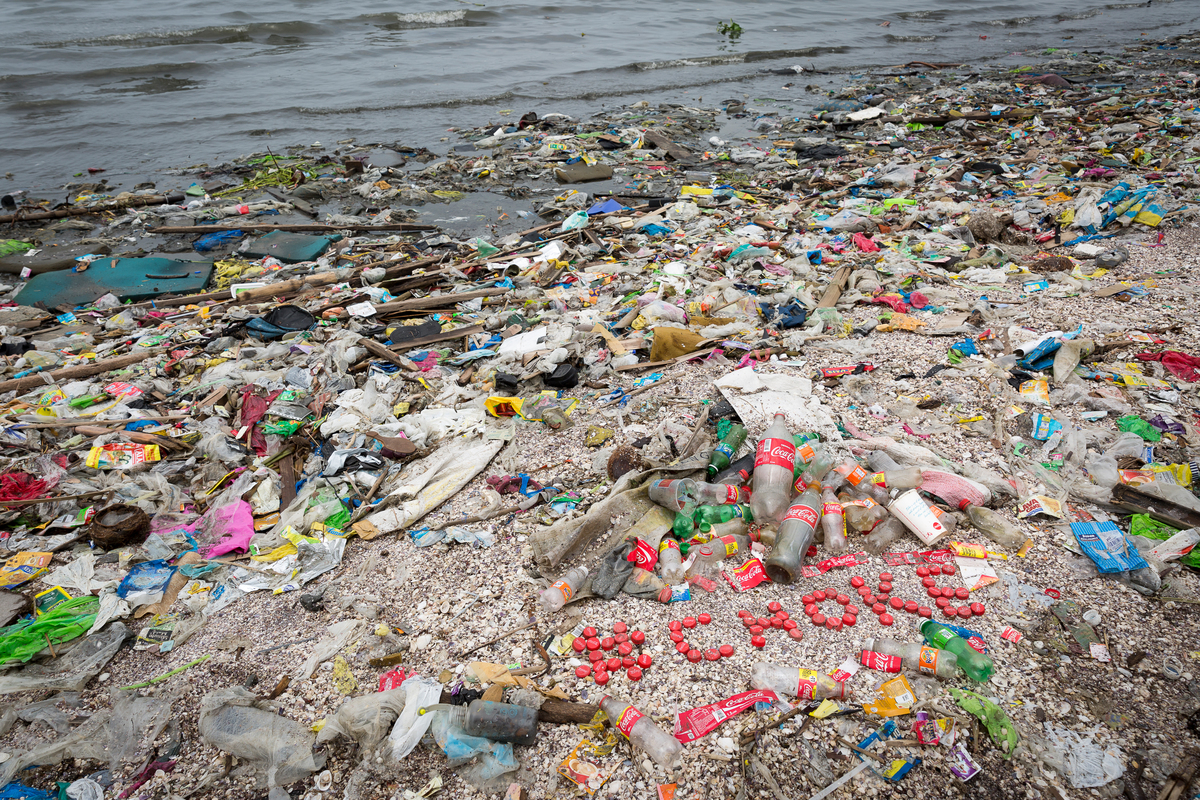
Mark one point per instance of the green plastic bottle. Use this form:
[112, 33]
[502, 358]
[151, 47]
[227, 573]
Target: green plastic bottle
[707, 516]
[725, 451]
[684, 525]
[975, 664]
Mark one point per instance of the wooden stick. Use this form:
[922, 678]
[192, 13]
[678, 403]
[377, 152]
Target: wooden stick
[81, 371]
[137, 200]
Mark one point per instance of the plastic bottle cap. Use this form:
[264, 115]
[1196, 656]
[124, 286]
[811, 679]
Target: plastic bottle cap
[843, 600]
[593, 643]
[863, 591]
[962, 504]
[644, 661]
[896, 603]
[811, 609]
[962, 593]
[948, 569]
[763, 622]
[613, 664]
[924, 611]
[634, 674]
[941, 602]
[676, 636]
[869, 599]
[595, 656]
[852, 609]
[934, 591]
[885, 619]
[808, 600]
[849, 619]
[582, 671]
[885, 587]
[773, 606]
[977, 609]
[628, 661]
[601, 678]
[950, 611]
[744, 613]
[712, 654]
[818, 619]
[818, 596]
[704, 619]
[964, 612]
[796, 634]
[756, 630]
[923, 572]
[882, 598]
[911, 606]
[589, 632]
[928, 582]
[609, 643]
[782, 615]
[885, 576]
[758, 641]
[726, 650]
[689, 622]
[675, 625]
[789, 624]
[879, 608]
[694, 656]
[857, 581]
[834, 623]
[682, 647]
[831, 593]
[620, 627]
[947, 591]
[625, 648]
[637, 637]
[776, 622]
[578, 645]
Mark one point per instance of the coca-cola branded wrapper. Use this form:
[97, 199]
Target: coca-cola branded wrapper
[643, 554]
[922, 557]
[697, 722]
[845, 671]
[747, 576]
[821, 567]
[1011, 634]
[878, 661]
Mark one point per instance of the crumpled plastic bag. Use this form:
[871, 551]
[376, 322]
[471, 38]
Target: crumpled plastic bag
[1085, 764]
[481, 762]
[365, 719]
[615, 569]
[339, 636]
[411, 726]
[235, 721]
[73, 669]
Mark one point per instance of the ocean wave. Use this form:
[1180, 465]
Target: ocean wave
[1012, 22]
[701, 61]
[891, 37]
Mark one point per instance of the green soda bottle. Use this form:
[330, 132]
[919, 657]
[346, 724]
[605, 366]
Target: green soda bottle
[684, 525]
[707, 516]
[976, 664]
[723, 454]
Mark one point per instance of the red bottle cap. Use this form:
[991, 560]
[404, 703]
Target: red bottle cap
[675, 625]
[620, 627]
[818, 596]
[922, 572]
[744, 613]
[789, 624]
[625, 648]
[934, 591]
[783, 615]
[857, 581]
[712, 654]
[879, 608]
[849, 619]
[601, 678]
[818, 619]
[831, 593]
[637, 637]
[852, 609]
[694, 656]
[882, 598]
[726, 650]
[843, 600]
[885, 576]
[884, 587]
[689, 622]
[808, 600]
[776, 622]
[749, 622]
[941, 602]
[595, 656]
[925, 611]
[962, 593]
[704, 619]
[773, 606]
[758, 641]
[609, 643]
[644, 661]
[965, 612]
[863, 591]
[947, 591]
[796, 634]
[869, 599]
[928, 582]
[948, 569]
[811, 609]
[885, 619]
[950, 611]
[582, 671]
[834, 623]
[763, 622]
[593, 643]
[911, 606]
[589, 632]
[676, 636]
[613, 664]
[756, 630]
[682, 647]
[634, 674]
[579, 644]
[622, 638]
[896, 603]
[977, 609]
[628, 661]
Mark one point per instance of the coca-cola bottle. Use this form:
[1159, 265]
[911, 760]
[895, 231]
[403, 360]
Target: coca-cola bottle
[663, 748]
[833, 523]
[804, 684]
[773, 463]
[794, 537]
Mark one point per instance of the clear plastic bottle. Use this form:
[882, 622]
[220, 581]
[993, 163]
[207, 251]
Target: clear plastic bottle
[884, 535]
[975, 664]
[911, 656]
[881, 461]
[738, 472]
[663, 748]
[773, 463]
[676, 494]
[794, 537]
[907, 478]
[563, 589]
[718, 494]
[949, 521]
[863, 513]
[710, 555]
[804, 684]
[815, 471]
[500, 722]
[724, 452]
[833, 522]
[995, 526]
[669, 560]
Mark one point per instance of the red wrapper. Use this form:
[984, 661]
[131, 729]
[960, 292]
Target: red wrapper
[644, 555]
[747, 576]
[923, 557]
[837, 372]
[697, 722]
[821, 567]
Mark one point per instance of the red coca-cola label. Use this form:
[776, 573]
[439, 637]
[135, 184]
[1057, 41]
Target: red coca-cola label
[777, 452]
[831, 508]
[923, 557]
[643, 554]
[872, 660]
[806, 514]
[820, 568]
[628, 719]
[731, 494]
[1012, 635]
[747, 576]
[692, 724]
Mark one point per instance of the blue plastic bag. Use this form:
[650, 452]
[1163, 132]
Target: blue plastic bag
[1107, 547]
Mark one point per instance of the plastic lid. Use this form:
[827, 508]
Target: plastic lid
[962, 504]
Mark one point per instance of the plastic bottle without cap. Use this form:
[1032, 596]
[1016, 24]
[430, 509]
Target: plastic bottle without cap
[724, 452]
[863, 513]
[710, 555]
[975, 664]
[563, 589]
[884, 535]
[815, 472]
[669, 561]
[642, 732]
[833, 522]
[881, 461]
[910, 656]
[794, 537]
[907, 478]
[718, 494]
[500, 722]
[805, 684]
[995, 527]
[773, 462]
[706, 517]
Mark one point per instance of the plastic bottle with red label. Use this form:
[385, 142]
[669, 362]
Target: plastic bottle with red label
[563, 589]
[719, 494]
[795, 535]
[773, 463]
[892, 655]
[863, 513]
[804, 684]
[708, 557]
[833, 522]
[642, 732]
[815, 471]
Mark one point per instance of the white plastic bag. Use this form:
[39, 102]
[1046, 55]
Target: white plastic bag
[419, 693]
